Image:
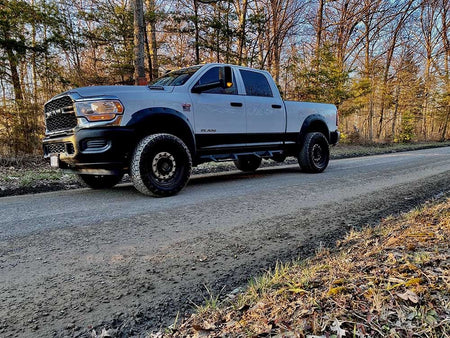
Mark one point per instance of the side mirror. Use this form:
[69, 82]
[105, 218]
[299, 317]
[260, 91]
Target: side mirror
[225, 81]
[226, 76]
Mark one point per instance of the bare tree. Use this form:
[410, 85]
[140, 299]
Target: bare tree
[152, 44]
[241, 11]
[405, 11]
[446, 52]
[139, 43]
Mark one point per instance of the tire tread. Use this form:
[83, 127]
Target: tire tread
[304, 158]
[136, 176]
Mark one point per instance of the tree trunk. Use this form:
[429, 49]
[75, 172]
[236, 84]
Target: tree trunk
[370, 126]
[3, 93]
[394, 119]
[319, 28]
[15, 78]
[390, 53]
[197, 33]
[446, 44]
[152, 42]
[149, 57]
[275, 60]
[227, 35]
[139, 43]
[368, 72]
[242, 14]
[33, 57]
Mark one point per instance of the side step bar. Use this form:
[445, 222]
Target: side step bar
[234, 156]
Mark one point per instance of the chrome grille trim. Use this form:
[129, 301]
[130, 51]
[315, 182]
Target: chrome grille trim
[60, 115]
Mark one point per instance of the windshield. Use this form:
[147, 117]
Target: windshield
[175, 78]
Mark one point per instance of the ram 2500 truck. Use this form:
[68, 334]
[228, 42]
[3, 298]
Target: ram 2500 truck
[157, 133]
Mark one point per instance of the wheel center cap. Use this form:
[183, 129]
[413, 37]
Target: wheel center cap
[317, 153]
[164, 165]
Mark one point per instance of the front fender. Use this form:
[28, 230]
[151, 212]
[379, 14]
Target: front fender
[163, 120]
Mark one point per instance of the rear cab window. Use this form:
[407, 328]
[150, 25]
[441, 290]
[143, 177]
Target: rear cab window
[256, 83]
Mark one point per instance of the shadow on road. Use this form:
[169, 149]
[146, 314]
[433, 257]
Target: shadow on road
[230, 176]
[200, 179]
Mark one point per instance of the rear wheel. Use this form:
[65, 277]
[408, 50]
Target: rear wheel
[100, 181]
[315, 153]
[248, 163]
[161, 165]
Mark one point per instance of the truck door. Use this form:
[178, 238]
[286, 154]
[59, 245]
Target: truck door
[219, 114]
[266, 119]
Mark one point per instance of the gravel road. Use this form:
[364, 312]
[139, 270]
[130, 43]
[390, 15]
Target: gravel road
[71, 261]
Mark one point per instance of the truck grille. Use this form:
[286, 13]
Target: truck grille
[60, 115]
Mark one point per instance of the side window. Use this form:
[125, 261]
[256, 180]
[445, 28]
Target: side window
[256, 84]
[212, 75]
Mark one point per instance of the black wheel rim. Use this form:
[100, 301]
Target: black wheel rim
[319, 155]
[164, 166]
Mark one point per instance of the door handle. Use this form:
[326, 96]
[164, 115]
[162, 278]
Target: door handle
[236, 104]
[276, 106]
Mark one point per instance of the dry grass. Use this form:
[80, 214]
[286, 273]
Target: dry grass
[389, 281]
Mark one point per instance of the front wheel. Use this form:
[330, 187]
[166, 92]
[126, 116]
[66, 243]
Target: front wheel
[161, 165]
[248, 163]
[100, 181]
[315, 153]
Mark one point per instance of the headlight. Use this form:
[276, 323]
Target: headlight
[102, 110]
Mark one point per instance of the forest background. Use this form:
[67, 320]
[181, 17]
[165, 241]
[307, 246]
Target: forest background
[384, 63]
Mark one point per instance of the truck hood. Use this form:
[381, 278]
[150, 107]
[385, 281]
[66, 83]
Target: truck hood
[118, 91]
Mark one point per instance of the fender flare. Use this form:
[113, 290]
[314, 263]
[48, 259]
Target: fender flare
[314, 122]
[153, 116]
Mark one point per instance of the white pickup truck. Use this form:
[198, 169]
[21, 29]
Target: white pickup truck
[156, 133]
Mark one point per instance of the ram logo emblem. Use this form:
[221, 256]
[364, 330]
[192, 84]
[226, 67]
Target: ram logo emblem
[53, 113]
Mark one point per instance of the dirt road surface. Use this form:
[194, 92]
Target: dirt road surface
[73, 261]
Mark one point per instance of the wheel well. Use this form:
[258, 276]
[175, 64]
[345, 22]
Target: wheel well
[316, 125]
[166, 124]
[319, 126]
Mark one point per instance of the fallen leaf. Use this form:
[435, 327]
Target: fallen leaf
[336, 326]
[409, 295]
[205, 326]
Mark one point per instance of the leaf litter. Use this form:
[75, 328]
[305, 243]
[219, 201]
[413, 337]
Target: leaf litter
[392, 280]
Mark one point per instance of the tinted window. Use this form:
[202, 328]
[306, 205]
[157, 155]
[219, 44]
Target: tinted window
[211, 76]
[256, 84]
[175, 78]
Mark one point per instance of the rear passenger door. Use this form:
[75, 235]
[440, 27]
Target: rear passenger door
[264, 110]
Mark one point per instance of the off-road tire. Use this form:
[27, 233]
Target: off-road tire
[161, 165]
[99, 181]
[248, 163]
[315, 153]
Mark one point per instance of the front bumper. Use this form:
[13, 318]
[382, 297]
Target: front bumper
[100, 151]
